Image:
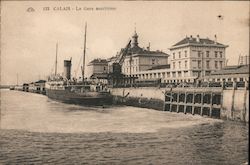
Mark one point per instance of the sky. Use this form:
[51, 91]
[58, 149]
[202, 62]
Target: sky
[28, 39]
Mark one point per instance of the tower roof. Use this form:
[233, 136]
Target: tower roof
[135, 34]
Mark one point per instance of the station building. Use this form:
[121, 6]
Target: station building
[191, 58]
[139, 59]
[98, 70]
[236, 73]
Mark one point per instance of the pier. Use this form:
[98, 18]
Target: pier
[229, 103]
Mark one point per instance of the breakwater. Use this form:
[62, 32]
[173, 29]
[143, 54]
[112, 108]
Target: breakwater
[230, 104]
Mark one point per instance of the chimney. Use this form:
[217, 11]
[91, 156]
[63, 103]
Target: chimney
[191, 37]
[215, 39]
[67, 69]
[198, 38]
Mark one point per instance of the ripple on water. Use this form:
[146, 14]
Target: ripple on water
[41, 131]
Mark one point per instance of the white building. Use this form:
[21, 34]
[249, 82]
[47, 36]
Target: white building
[191, 58]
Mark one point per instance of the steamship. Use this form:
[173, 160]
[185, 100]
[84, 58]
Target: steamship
[65, 89]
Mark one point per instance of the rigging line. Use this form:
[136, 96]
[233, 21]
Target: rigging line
[77, 69]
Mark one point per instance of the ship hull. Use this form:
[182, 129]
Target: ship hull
[86, 98]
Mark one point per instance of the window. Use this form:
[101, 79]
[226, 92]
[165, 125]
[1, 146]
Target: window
[185, 64]
[241, 79]
[104, 68]
[174, 74]
[229, 79]
[221, 64]
[207, 54]
[173, 65]
[207, 64]
[168, 74]
[194, 63]
[199, 53]
[207, 72]
[185, 73]
[215, 54]
[179, 74]
[220, 54]
[199, 64]
[179, 54]
[185, 53]
[173, 55]
[163, 74]
[179, 65]
[216, 64]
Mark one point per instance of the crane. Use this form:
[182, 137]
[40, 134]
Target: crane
[120, 59]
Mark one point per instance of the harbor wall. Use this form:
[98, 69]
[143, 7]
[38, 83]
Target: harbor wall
[139, 97]
[234, 104]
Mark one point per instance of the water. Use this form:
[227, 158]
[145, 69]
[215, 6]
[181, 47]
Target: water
[37, 130]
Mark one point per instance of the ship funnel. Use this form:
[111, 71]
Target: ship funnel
[67, 69]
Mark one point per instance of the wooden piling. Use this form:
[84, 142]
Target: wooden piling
[185, 103]
[211, 104]
[202, 95]
[193, 103]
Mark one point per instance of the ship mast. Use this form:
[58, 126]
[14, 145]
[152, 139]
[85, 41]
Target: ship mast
[56, 59]
[84, 53]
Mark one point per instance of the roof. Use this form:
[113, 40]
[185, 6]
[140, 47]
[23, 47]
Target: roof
[98, 61]
[40, 81]
[243, 69]
[99, 75]
[198, 41]
[140, 51]
[160, 67]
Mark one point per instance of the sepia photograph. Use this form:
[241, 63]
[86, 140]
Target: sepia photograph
[124, 82]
